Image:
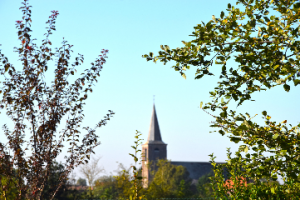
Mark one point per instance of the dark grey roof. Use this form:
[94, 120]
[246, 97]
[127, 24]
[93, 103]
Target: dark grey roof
[154, 132]
[196, 169]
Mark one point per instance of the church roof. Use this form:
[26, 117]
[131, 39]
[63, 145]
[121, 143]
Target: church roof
[197, 169]
[154, 135]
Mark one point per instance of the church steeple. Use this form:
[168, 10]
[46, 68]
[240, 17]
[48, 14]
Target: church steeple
[154, 131]
[153, 150]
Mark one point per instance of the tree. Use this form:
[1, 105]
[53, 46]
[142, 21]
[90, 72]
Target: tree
[125, 187]
[126, 184]
[91, 170]
[82, 182]
[37, 108]
[183, 190]
[55, 172]
[169, 181]
[72, 178]
[8, 189]
[106, 188]
[261, 38]
[204, 188]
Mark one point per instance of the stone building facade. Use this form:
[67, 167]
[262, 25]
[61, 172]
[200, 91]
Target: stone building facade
[155, 149]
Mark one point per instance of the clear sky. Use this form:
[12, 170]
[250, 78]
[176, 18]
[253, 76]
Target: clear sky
[129, 29]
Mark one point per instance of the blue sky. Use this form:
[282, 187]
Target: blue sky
[129, 29]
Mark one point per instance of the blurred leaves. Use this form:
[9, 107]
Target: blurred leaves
[37, 109]
[261, 38]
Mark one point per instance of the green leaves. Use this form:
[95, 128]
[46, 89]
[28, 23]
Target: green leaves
[183, 75]
[235, 139]
[214, 18]
[283, 152]
[273, 190]
[286, 87]
[136, 180]
[257, 53]
[261, 38]
[244, 148]
[222, 15]
[264, 113]
[275, 136]
[169, 181]
[296, 82]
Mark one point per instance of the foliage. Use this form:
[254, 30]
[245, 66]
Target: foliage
[123, 181]
[183, 190]
[72, 178]
[170, 181]
[37, 108]
[130, 185]
[73, 193]
[81, 181]
[91, 170]
[261, 37]
[204, 188]
[55, 171]
[122, 187]
[137, 178]
[8, 189]
[106, 188]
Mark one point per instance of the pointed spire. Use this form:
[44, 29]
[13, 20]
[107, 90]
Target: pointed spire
[154, 132]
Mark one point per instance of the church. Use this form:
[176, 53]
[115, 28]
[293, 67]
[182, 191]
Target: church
[155, 149]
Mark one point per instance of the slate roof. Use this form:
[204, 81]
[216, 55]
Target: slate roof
[196, 169]
[154, 135]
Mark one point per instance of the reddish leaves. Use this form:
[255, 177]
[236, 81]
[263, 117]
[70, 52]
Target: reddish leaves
[29, 48]
[21, 90]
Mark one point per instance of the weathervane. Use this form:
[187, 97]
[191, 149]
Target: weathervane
[153, 99]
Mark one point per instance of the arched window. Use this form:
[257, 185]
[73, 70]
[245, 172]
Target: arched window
[156, 150]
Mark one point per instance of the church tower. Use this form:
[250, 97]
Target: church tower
[153, 150]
